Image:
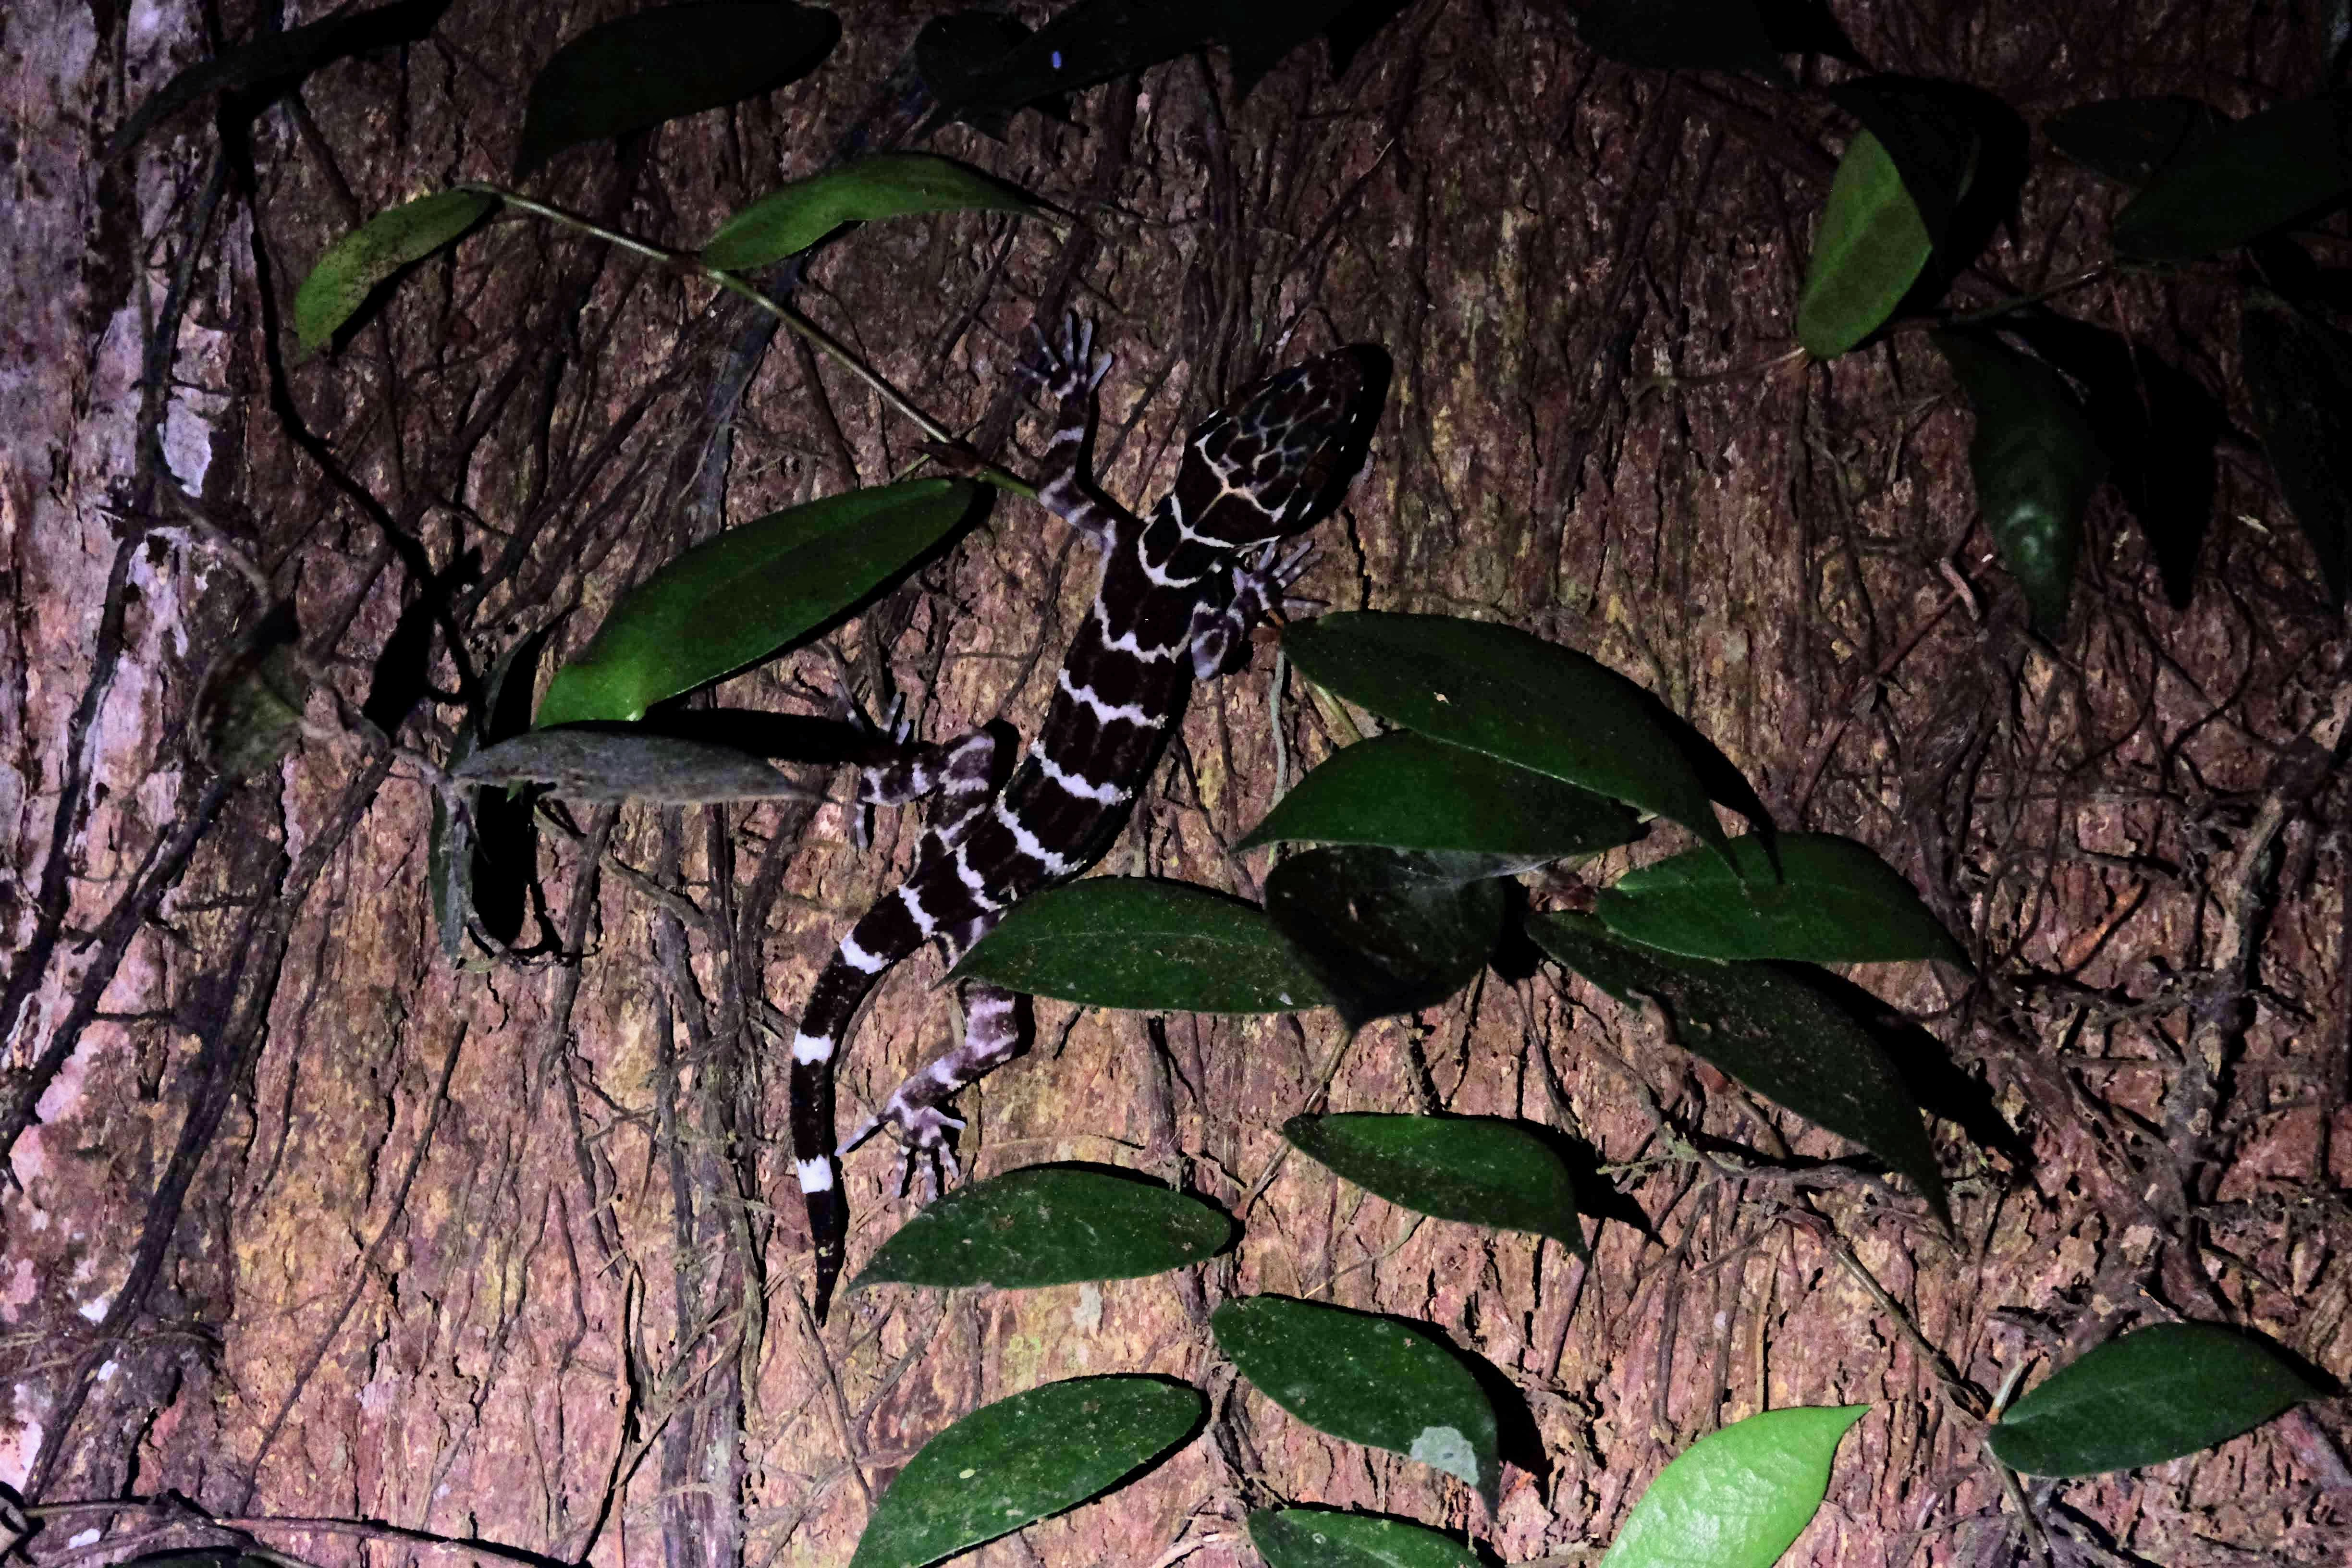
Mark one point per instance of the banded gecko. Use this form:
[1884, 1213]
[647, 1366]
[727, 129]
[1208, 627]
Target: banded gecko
[1178, 595]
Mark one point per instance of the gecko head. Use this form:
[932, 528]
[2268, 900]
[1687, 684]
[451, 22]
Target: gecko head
[1276, 459]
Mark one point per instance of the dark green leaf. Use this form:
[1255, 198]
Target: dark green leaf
[2145, 1398]
[886, 185]
[1319, 1538]
[1871, 248]
[1258, 37]
[1834, 901]
[2129, 138]
[2250, 177]
[1770, 1030]
[1088, 42]
[249, 709]
[2036, 463]
[1474, 1169]
[957, 55]
[1681, 35]
[1405, 792]
[1023, 1459]
[1934, 132]
[275, 63]
[1737, 1498]
[1368, 1379]
[2300, 373]
[658, 64]
[594, 763]
[750, 593]
[1385, 932]
[1498, 690]
[1050, 1225]
[2157, 426]
[352, 267]
[1146, 945]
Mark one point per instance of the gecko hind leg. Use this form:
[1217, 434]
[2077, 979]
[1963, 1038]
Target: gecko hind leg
[997, 1027]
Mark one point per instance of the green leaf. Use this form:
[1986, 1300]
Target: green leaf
[1772, 1031]
[750, 593]
[1405, 792]
[2144, 1398]
[1084, 44]
[1683, 35]
[1023, 1459]
[957, 56]
[1385, 932]
[658, 64]
[1835, 901]
[249, 709]
[2299, 372]
[1497, 690]
[2036, 462]
[1050, 1225]
[886, 185]
[1934, 133]
[1146, 945]
[352, 267]
[2248, 178]
[1871, 248]
[1476, 1169]
[1370, 1380]
[275, 63]
[2129, 138]
[1320, 1538]
[600, 764]
[1737, 1498]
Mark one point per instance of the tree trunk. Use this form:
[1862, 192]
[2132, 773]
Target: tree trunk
[412, 1258]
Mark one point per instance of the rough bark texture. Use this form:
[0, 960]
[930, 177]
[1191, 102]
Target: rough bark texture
[312, 1225]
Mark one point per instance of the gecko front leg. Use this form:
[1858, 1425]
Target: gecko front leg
[1220, 631]
[1068, 372]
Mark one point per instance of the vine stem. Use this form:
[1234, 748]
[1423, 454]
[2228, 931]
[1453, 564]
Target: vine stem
[950, 449]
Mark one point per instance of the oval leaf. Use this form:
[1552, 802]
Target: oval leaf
[2300, 373]
[2129, 138]
[1406, 792]
[1385, 932]
[1738, 1498]
[1496, 689]
[1020, 1459]
[2248, 177]
[1146, 945]
[2035, 460]
[1476, 1169]
[352, 267]
[750, 593]
[1769, 1029]
[1683, 35]
[886, 185]
[1050, 1225]
[1317, 1538]
[1834, 901]
[2144, 1398]
[276, 62]
[1870, 251]
[1368, 1379]
[598, 765]
[658, 64]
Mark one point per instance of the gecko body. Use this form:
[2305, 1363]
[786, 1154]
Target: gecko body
[1178, 592]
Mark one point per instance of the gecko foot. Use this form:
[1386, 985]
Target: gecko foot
[926, 1135]
[1068, 368]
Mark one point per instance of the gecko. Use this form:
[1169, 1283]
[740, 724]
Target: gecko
[1178, 594]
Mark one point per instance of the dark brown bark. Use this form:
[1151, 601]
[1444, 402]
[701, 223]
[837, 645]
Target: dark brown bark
[414, 1259]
